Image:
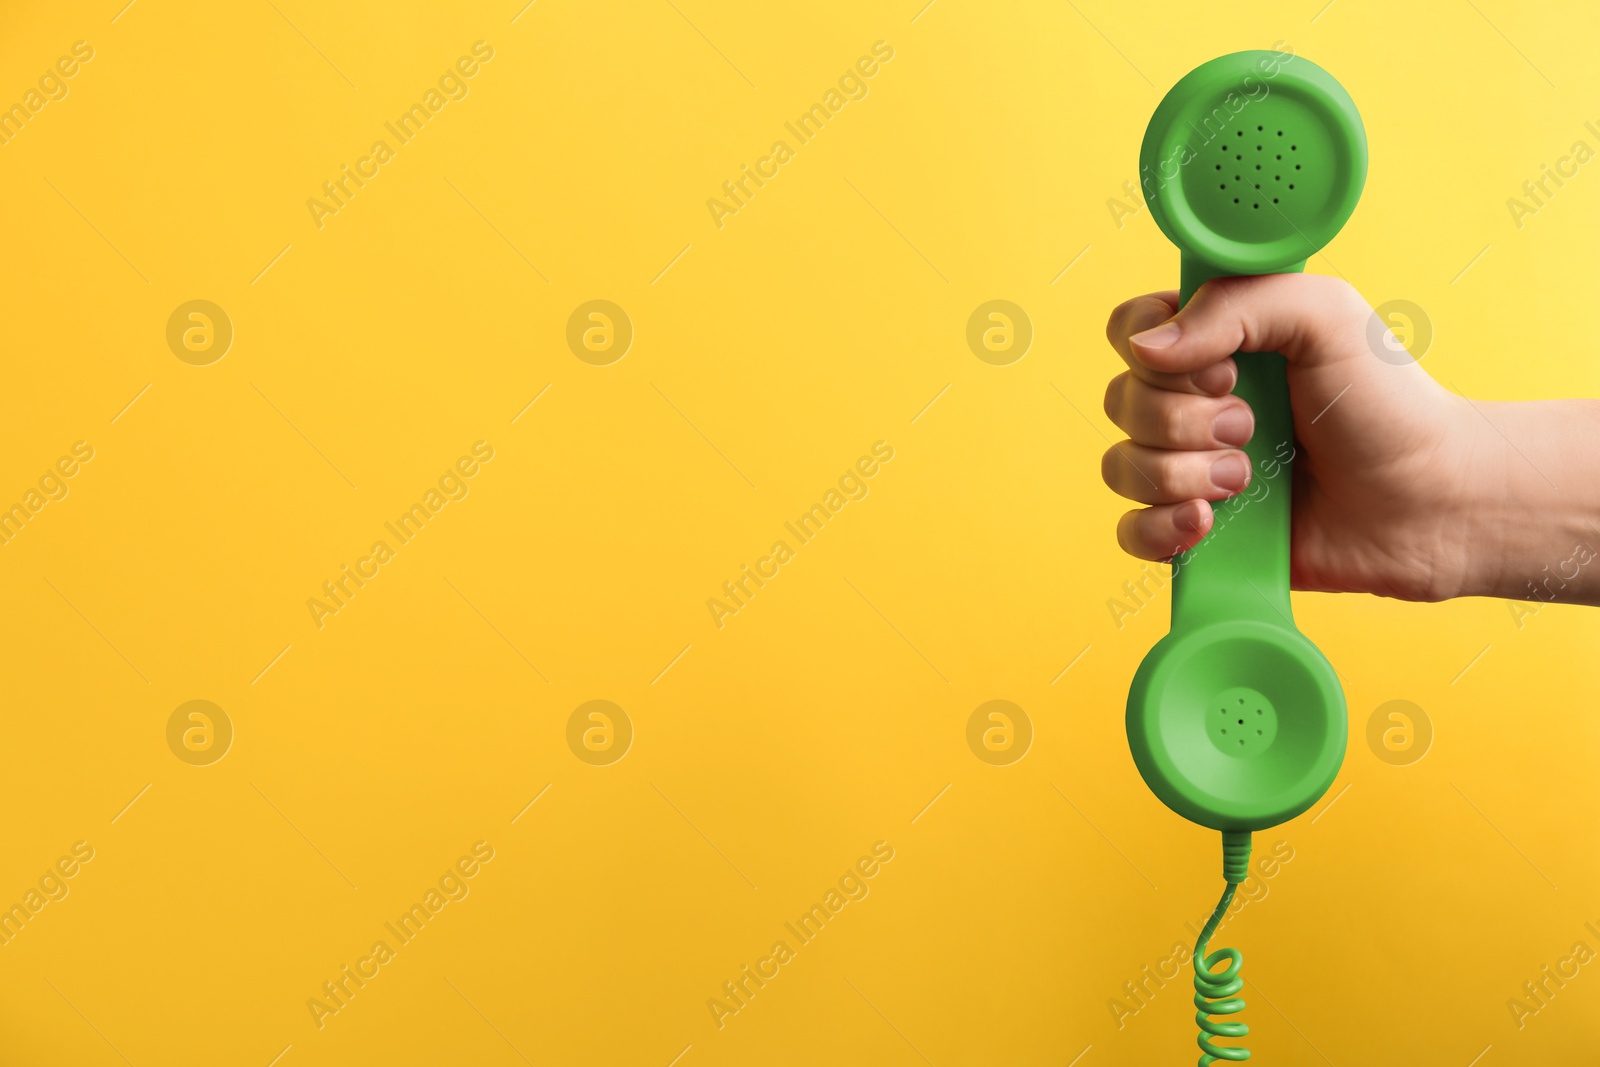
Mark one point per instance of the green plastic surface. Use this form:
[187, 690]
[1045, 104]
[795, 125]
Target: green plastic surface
[1217, 992]
[1251, 163]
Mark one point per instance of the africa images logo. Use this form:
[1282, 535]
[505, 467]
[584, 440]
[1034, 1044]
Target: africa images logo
[852, 485]
[452, 86]
[1253, 89]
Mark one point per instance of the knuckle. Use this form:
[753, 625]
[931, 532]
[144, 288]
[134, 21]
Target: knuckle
[1166, 470]
[1113, 397]
[1110, 465]
[1131, 316]
[1118, 316]
[1171, 420]
[1348, 298]
[1224, 290]
[1330, 302]
[1332, 288]
[1127, 527]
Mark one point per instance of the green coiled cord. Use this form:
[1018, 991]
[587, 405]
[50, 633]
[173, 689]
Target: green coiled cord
[1215, 992]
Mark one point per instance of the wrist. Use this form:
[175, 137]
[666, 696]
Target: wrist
[1533, 520]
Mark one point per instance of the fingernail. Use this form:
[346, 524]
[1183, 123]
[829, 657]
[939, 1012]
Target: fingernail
[1160, 337]
[1191, 517]
[1234, 426]
[1231, 473]
[1216, 379]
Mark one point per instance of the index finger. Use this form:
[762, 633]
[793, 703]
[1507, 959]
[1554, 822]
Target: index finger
[1151, 310]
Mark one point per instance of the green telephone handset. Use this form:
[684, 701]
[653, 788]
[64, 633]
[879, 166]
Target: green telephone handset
[1251, 163]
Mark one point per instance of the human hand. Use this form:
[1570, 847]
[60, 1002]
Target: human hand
[1401, 487]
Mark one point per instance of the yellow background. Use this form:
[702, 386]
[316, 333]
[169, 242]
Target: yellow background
[827, 715]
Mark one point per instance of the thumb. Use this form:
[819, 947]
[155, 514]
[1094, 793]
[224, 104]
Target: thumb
[1310, 318]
